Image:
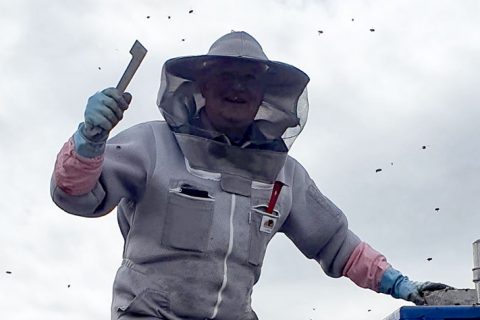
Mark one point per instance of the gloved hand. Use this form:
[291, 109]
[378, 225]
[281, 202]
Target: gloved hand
[400, 287]
[103, 112]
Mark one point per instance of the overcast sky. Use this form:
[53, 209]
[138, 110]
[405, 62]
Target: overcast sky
[403, 98]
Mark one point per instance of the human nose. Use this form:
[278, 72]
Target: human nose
[238, 84]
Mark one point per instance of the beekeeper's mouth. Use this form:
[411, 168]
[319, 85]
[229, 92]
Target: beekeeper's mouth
[235, 99]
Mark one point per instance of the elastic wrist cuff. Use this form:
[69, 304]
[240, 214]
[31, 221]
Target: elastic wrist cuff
[85, 147]
[389, 279]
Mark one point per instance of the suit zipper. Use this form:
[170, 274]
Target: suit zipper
[225, 267]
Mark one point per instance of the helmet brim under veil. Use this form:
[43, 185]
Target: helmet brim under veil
[283, 111]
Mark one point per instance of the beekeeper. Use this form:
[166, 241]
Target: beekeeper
[200, 195]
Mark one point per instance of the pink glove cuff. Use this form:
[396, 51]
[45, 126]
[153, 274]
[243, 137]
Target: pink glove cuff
[74, 174]
[365, 267]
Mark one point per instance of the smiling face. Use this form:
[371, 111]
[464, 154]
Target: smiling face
[233, 92]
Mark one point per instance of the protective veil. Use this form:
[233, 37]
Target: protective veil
[280, 117]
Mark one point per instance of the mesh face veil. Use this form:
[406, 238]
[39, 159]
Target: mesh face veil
[281, 116]
[283, 111]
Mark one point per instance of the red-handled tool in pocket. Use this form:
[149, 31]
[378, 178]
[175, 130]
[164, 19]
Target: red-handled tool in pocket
[277, 187]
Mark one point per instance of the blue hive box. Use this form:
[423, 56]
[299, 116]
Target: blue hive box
[436, 313]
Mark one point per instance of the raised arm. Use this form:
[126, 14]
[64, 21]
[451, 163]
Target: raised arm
[91, 176]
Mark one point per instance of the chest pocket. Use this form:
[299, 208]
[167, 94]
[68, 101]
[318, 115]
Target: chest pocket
[188, 219]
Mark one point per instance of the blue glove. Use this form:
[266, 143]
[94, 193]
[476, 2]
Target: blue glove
[400, 287]
[103, 112]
